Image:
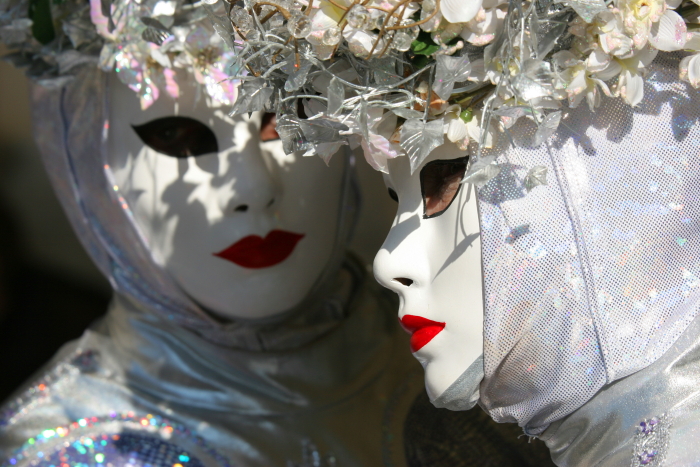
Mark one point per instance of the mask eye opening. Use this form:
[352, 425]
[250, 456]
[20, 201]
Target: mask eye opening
[178, 137]
[268, 128]
[393, 195]
[437, 179]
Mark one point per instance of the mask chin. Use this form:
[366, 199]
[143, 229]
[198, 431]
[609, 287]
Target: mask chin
[463, 394]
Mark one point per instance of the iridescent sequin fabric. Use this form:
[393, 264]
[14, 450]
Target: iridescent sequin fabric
[593, 276]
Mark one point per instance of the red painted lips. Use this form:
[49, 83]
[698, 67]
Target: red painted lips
[422, 330]
[255, 252]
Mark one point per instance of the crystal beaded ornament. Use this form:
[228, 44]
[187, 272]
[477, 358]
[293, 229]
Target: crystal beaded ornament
[371, 70]
[153, 45]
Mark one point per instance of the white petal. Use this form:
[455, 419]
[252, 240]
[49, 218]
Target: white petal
[459, 11]
[690, 70]
[597, 61]
[612, 70]
[632, 89]
[670, 33]
[456, 130]
[693, 41]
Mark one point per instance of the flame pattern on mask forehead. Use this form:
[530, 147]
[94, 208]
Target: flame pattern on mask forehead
[145, 42]
[397, 77]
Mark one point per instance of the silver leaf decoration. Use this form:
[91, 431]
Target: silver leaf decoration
[336, 96]
[252, 97]
[547, 128]
[407, 113]
[547, 43]
[534, 81]
[297, 78]
[419, 138]
[385, 71]
[321, 130]
[450, 70]
[156, 32]
[510, 115]
[536, 176]
[482, 171]
[291, 134]
[79, 30]
[327, 150]
[587, 9]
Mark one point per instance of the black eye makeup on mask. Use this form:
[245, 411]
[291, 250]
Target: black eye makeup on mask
[440, 182]
[178, 136]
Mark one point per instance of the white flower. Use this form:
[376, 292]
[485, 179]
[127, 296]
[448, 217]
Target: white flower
[459, 11]
[630, 84]
[482, 29]
[669, 33]
[690, 70]
[638, 17]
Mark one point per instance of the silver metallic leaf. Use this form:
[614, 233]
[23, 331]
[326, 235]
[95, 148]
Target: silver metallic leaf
[321, 130]
[326, 150]
[336, 96]
[536, 176]
[407, 113]
[291, 134]
[297, 78]
[482, 171]
[419, 138]
[587, 9]
[252, 97]
[510, 115]
[547, 128]
[79, 30]
[450, 70]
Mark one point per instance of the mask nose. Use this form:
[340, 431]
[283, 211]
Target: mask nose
[254, 187]
[398, 265]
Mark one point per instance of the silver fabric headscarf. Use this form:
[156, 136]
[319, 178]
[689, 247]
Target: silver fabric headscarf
[594, 276]
[71, 126]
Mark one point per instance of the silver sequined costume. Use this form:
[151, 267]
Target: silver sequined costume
[592, 282]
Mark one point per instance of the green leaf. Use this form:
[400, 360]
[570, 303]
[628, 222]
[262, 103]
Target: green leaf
[424, 45]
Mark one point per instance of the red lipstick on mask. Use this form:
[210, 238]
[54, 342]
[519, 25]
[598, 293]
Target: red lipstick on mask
[255, 252]
[422, 330]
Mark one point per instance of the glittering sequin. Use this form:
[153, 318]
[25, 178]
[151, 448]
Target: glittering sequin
[115, 440]
[651, 442]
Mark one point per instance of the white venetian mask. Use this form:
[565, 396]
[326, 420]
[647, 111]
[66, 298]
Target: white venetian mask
[244, 229]
[432, 260]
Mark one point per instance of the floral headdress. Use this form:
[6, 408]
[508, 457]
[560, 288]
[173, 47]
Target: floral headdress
[400, 77]
[144, 41]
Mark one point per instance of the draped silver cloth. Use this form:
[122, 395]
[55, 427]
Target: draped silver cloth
[160, 382]
[595, 276]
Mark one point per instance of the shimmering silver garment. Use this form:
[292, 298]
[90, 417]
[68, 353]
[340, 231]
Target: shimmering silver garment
[159, 382]
[595, 276]
[603, 432]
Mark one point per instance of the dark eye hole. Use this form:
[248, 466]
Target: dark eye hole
[393, 195]
[268, 127]
[439, 183]
[178, 136]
